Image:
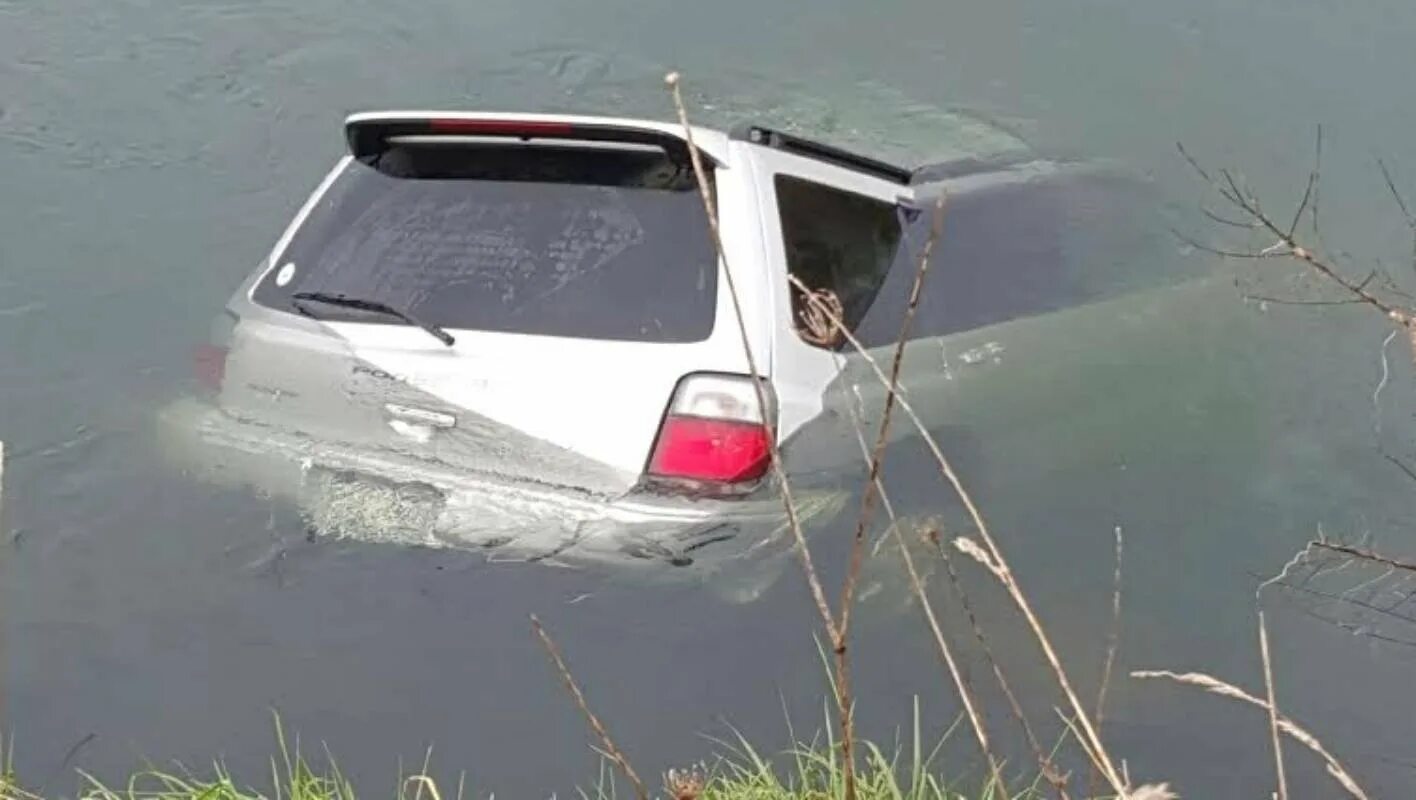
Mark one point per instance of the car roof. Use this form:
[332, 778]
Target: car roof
[960, 173]
[712, 142]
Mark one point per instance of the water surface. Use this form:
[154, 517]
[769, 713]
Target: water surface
[150, 152]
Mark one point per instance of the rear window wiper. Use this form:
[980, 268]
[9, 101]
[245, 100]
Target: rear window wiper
[345, 301]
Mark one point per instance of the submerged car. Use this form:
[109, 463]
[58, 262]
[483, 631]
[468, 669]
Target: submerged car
[515, 331]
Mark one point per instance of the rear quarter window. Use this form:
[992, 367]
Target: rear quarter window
[603, 243]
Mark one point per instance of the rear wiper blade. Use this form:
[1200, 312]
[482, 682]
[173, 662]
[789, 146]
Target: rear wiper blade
[375, 306]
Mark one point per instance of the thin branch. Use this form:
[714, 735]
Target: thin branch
[613, 752]
[1367, 280]
[1287, 244]
[1401, 203]
[1272, 709]
[1216, 686]
[1359, 630]
[1389, 283]
[1193, 163]
[1365, 555]
[1396, 193]
[1226, 221]
[1360, 290]
[1317, 184]
[1281, 301]
[1401, 465]
[1303, 206]
[1238, 196]
[1389, 611]
[1212, 250]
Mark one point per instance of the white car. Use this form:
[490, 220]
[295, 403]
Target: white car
[513, 331]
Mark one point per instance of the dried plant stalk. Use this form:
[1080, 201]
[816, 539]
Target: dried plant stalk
[1214, 685]
[1272, 710]
[1114, 637]
[611, 750]
[945, 652]
[1001, 571]
[1048, 770]
[1004, 574]
[840, 676]
[877, 457]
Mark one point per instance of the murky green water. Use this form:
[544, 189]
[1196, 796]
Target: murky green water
[149, 152]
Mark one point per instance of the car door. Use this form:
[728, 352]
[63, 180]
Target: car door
[1054, 332]
[834, 229]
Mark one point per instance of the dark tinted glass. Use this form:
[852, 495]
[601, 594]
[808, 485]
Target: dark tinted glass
[587, 243]
[1026, 248]
[837, 240]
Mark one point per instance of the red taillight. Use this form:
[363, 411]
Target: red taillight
[721, 451]
[209, 365]
[715, 432]
[500, 127]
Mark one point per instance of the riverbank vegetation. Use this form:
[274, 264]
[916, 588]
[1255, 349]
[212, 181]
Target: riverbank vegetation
[809, 771]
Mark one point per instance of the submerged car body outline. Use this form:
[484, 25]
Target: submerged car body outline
[819, 394]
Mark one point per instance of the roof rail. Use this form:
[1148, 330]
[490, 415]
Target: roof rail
[757, 134]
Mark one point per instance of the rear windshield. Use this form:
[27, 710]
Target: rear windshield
[1026, 248]
[604, 243]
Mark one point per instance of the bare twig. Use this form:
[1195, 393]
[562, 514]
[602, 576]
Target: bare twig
[613, 752]
[1401, 465]
[1366, 555]
[1216, 686]
[1280, 301]
[1226, 221]
[1317, 183]
[1303, 206]
[1401, 204]
[1194, 164]
[1287, 243]
[1216, 251]
[1388, 611]
[1396, 193]
[1272, 709]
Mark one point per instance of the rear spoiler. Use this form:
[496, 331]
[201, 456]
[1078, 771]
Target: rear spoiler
[370, 136]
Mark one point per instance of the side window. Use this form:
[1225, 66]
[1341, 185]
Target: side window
[840, 245]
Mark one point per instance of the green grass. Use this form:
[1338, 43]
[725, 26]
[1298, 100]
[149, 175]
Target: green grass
[807, 771]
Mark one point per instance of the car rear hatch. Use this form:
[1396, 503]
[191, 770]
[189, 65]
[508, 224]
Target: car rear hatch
[532, 294]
